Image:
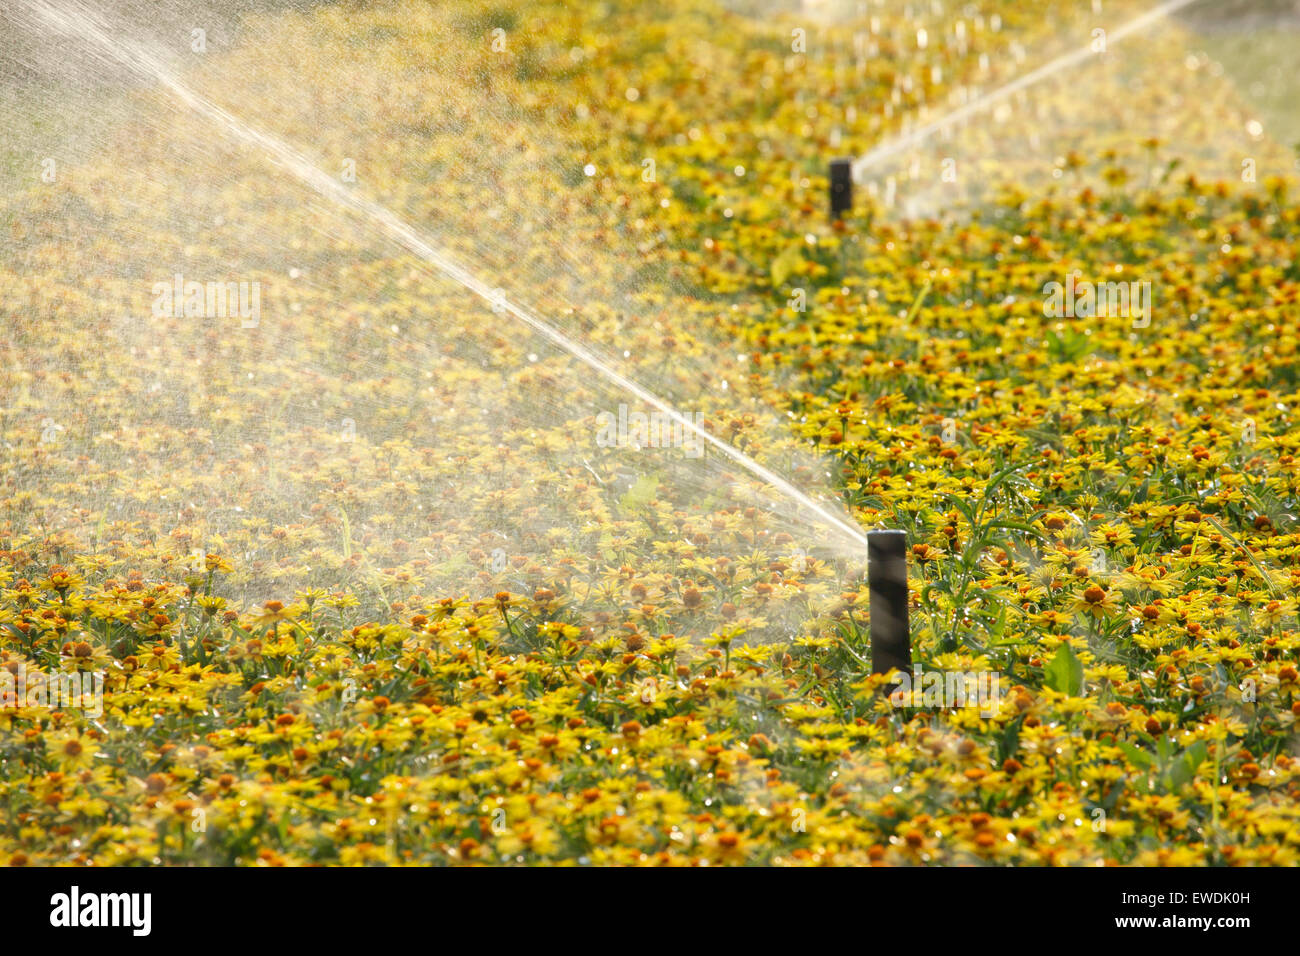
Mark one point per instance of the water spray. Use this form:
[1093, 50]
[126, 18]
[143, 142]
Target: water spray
[80, 21]
[906, 141]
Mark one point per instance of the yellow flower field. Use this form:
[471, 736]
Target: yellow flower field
[358, 584]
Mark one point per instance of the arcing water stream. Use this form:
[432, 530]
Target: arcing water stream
[74, 19]
[899, 144]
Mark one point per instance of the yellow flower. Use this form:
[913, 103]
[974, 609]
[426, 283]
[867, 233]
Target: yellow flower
[1096, 601]
[71, 751]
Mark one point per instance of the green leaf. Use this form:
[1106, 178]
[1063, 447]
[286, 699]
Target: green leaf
[1017, 526]
[1135, 755]
[641, 493]
[1069, 347]
[1179, 774]
[1185, 769]
[786, 263]
[1065, 673]
[1164, 749]
[1010, 742]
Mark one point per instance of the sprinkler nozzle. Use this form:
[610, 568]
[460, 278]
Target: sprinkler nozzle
[841, 188]
[891, 640]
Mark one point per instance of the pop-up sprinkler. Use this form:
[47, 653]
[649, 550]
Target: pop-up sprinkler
[841, 188]
[891, 641]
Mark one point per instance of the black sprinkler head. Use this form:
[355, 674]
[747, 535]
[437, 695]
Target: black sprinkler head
[891, 640]
[841, 188]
